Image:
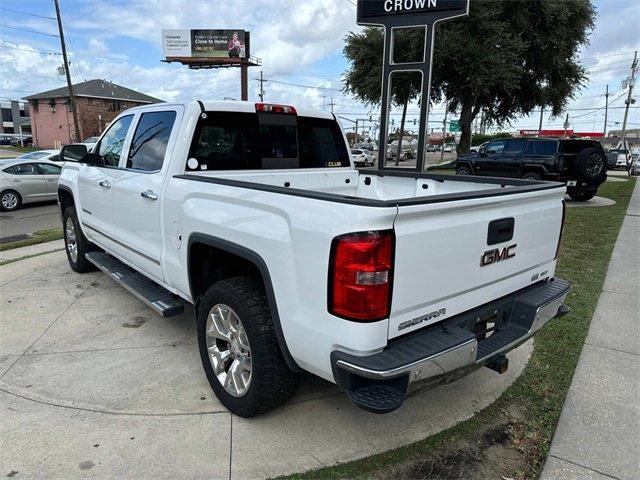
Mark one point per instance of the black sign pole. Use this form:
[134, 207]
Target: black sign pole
[396, 14]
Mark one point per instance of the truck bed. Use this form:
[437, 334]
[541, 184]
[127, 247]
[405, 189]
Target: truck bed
[372, 187]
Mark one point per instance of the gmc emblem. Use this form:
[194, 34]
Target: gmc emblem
[497, 255]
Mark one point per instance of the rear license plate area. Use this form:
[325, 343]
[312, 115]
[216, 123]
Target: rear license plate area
[486, 324]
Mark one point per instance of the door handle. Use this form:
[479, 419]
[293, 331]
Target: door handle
[150, 194]
[52, 179]
[105, 184]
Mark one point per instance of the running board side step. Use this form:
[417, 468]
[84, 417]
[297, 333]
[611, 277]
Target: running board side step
[160, 299]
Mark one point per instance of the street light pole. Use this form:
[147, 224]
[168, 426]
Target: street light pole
[606, 113]
[72, 99]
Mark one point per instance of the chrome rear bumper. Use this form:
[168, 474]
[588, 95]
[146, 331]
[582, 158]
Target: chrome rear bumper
[449, 349]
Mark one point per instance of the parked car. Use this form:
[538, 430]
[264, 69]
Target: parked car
[91, 142]
[7, 140]
[477, 148]
[634, 168]
[447, 148]
[26, 181]
[51, 155]
[361, 158]
[580, 164]
[431, 148]
[622, 156]
[296, 261]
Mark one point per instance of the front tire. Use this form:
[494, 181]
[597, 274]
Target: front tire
[532, 176]
[10, 200]
[75, 243]
[463, 171]
[239, 349]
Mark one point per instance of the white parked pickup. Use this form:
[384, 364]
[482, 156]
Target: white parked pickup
[380, 281]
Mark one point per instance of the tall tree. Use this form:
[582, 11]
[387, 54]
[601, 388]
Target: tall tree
[505, 59]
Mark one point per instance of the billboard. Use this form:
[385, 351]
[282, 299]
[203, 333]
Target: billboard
[204, 43]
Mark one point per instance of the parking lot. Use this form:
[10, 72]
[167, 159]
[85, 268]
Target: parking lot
[29, 219]
[92, 382]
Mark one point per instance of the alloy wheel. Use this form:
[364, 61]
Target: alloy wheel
[72, 241]
[9, 200]
[229, 350]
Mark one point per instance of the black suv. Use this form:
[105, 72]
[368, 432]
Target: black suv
[580, 164]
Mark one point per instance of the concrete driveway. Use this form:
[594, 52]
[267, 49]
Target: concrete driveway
[94, 384]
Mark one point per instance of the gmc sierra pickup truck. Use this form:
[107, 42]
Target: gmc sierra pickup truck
[383, 282]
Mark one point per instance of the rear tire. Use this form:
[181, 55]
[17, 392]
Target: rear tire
[581, 195]
[252, 342]
[463, 171]
[10, 200]
[75, 243]
[532, 176]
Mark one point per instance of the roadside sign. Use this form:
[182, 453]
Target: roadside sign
[394, 15]
[408, 12]
[454, 126]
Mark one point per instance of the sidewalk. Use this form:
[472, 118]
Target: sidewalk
[598, 435]
[39, 248]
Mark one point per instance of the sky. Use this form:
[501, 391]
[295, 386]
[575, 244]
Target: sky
[299, 41]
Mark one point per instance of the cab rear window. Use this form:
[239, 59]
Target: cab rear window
[252, 141]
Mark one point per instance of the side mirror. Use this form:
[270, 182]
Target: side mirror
[73, 153]
[482, 151]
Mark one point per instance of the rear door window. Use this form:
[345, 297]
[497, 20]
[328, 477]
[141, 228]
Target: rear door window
[544, 147]
[515, 146]
[248, 141]
[22, 169]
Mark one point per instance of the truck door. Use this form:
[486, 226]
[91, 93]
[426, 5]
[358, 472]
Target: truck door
[137, 193]
[95, 182]
[511, 159]
[488, 164]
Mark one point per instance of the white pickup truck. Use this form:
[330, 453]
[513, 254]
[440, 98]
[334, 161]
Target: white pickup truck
[380, 281]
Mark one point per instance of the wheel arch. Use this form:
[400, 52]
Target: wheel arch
[231, 260]
[65, 198]
[532, 167]
[466, 163]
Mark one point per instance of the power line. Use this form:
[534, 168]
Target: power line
[26, 13]
[29, 31]
[303, 86]
[30, 51]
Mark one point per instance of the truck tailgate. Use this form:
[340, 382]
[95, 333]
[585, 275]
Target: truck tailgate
[438, 269]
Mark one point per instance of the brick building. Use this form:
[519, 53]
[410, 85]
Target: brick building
[98, 102]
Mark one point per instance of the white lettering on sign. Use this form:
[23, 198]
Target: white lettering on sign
[407, 5]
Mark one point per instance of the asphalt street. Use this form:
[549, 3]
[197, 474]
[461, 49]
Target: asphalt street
[28, 219]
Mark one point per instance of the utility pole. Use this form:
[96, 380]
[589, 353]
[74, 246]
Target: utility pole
[332, 104]
[72, 98]
[261, 94]
[606, 113]
[541, 116]
[630, 99]
[566, 125]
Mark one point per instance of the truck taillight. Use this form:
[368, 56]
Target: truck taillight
[273, 108]
[360, 275]
[564, 216]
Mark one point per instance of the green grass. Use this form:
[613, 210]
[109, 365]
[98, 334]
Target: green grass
[39, 237]
[589, 238]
